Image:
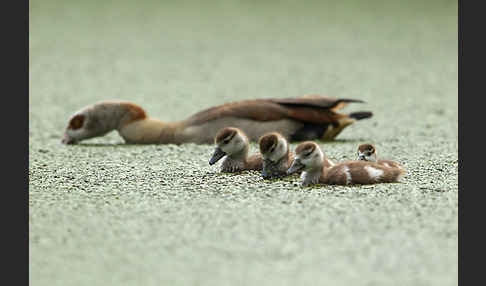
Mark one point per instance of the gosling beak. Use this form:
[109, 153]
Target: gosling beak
[265, 174]
[296, 166]
[68, 140]
[218, 154]
[361, 157]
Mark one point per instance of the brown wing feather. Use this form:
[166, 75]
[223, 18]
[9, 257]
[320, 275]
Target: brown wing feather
[312, 109]
[258, 109]
[312, 115]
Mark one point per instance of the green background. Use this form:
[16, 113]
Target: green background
[105, 213]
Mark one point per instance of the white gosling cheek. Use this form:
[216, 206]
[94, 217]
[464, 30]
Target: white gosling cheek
[279, 151]
[283, 146]
[317, 158]
[228, 148]
[271, 155]
[235, 145]
[223, 147]
[241, 144]
[240, 140]
[374, 173]
[306, 162]
[371, 158]
[233, 148]
[275, 155]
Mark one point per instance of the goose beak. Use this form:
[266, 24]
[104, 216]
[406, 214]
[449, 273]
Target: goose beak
[296, 166]
[67, 139]
[218, 154]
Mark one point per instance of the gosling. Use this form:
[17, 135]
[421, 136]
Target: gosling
[309, 158]
[277, 156]
[234, 144]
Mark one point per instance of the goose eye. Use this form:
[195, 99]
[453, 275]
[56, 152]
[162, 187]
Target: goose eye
[273, 149]
[226, 141]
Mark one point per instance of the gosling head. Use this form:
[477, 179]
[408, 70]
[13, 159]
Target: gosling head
[308, 156]
[367, 152]
[273, 147]
[231, 142]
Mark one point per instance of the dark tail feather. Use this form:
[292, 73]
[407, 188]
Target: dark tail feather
[361, 115]
[314, 102]
[349, 100]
